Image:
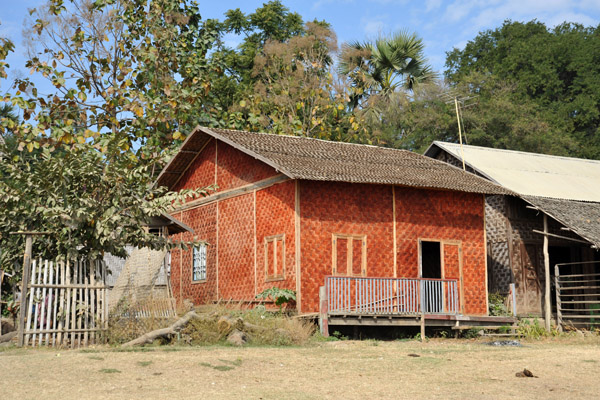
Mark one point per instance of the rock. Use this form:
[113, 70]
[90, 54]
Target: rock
[226, 324]
[237, 338]
[525, 374]
[7, 325]
[413, 355]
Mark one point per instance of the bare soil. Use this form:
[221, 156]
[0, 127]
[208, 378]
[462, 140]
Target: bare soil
[450, 369]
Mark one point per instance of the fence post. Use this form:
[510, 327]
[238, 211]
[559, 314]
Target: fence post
[24, 288]
[422, 291]
[558, 302]
[323, 321]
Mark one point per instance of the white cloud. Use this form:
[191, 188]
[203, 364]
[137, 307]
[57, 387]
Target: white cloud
[374, 27]
[431, 5]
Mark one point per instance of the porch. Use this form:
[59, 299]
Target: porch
[361, 301]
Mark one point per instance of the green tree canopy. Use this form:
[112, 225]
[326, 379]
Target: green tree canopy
[385, 65]
[558, 69]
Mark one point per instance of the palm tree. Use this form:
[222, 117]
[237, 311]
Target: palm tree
[385, 66]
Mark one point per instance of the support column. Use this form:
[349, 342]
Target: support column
[547, 304]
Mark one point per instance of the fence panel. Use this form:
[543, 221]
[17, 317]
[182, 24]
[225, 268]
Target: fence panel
[66, 304]
[578, 294]
[391, 295]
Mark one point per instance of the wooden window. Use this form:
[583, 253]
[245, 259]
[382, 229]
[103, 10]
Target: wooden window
[275, 257]
[349, 256]
[199, 263]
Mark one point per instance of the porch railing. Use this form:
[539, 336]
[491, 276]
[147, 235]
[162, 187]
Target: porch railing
[391, 295]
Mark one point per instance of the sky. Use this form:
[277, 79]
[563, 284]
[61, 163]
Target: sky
[443, 24]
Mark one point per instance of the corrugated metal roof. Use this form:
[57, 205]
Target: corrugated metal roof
[314, 159]
[531, 174]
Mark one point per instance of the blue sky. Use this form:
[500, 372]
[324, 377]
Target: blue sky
[443, 24]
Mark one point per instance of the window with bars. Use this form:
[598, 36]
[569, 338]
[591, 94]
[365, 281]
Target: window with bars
[199, 263]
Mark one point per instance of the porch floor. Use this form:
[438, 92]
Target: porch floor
[431, 320]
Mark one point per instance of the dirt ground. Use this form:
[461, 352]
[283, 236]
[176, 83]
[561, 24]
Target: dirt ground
[449, 369]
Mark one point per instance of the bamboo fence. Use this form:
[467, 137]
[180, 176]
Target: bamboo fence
[67, 303]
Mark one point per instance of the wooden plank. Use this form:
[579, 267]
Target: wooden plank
[395, 244]
[86, 269]
[216, 251]
[230, 193]
[61, 308]
[49, 306]
[297, 245]
[65, 286]
[577, 275]
[47, 331]
[73, 312]
[68, 300]
[582, 301]
[255, 239]
[24, 281]
[37, 297]
[547, 305]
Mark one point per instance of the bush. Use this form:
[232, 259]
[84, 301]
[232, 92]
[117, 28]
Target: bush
[497, 305]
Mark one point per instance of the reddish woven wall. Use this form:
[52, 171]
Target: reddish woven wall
[342, 208]
[202, 171]
[234, 168]
[239, 169]
[236, 248]
[236, 262]
[203, 221]
[444, 215]
[328, 208]
[275, 212]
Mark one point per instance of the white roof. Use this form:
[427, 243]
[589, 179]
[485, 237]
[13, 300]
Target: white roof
[530, 173]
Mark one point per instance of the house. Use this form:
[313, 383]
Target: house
[292, 211]
[563, 190]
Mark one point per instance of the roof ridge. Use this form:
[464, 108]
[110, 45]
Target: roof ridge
[315, 139]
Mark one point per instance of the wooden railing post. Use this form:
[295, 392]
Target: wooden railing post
[422, 291]
[323, 310]
[558, 301]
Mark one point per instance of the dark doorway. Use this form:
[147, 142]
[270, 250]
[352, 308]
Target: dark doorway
[431, 263]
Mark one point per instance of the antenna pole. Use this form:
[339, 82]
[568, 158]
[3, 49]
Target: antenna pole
[462, 154]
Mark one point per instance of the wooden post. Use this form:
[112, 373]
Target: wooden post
[547, 305]
[1, 278]
[422, 291]
[558, 302]
[24, 287]
[323, 310]
[514, 299]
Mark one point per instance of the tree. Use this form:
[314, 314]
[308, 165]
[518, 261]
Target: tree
[496, 118]
[384, 66]
[294, 91]
[129, 76]
[557, 69]
[271, 22]
[130, 80]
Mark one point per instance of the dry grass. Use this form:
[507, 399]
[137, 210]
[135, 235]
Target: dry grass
[275, 329]
[449, 369]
